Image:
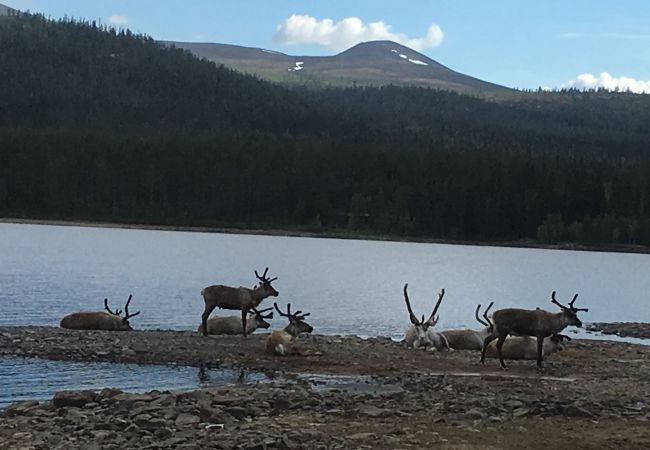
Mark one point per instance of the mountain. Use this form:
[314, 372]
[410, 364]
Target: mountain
[5, 10]
[374, 63]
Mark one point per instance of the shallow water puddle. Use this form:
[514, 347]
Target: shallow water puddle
[38, 379]
[357, 384]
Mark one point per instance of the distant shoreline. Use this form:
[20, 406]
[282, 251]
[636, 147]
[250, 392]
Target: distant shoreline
[615, 248]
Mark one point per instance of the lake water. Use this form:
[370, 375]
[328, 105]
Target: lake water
[38, 379]
[348, 286]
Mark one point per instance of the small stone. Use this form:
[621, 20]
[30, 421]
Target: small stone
[186, 420]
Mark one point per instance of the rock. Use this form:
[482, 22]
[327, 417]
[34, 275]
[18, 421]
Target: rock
[142, 420]
[163, 433]
[373, 411]
[474, 414]
[281, 403]
[237, 412]
[73, 398]
[575, 410]
[362, 436]
[109, 392]
[185, 420]
[520, 412]
[21, 408]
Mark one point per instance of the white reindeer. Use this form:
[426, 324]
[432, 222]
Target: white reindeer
[421, 334]
[233, 324]
[283, 342]
[470, 339]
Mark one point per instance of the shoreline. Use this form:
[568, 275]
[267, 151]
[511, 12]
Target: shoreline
[618, 248]
[593, 394]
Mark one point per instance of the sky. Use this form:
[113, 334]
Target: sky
[516, 43]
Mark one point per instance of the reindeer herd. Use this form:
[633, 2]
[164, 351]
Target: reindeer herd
[519, 333]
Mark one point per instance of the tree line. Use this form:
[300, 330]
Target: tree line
[102, 124]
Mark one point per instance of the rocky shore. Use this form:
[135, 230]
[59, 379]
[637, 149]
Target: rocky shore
[594, 394]
[624, 329]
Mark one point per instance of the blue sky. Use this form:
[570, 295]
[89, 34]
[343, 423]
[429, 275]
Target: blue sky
[518, 43]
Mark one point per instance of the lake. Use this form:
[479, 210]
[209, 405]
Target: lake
[348, 286]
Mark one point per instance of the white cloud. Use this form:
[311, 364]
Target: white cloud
[118, 20]
[303, 29]
[605, 80]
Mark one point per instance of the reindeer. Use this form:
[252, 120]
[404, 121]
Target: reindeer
[421, 333]
[100, 320]
[470, 339]
[525, 347]
[233, 324]
[537, 323]
[240, 298]
[283, 342]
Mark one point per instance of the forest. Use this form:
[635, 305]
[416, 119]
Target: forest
[103, 124]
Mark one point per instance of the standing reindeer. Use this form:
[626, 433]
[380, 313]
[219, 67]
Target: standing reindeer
[537, 323]
[420, 333]
[282, 342]
[100, 320]
[233, 324]
[470, 339]
[240, 298]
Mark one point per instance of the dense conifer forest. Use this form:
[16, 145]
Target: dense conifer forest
[99, 124]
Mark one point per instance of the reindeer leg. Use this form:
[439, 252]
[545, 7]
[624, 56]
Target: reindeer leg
[500, 342]
[244, 312]
[486, 342]
[204, 317]
[540, 346]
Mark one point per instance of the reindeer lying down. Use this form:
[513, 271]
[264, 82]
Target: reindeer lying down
[100, 320]
[233, 324]
[525, 347]
[421, 334]
[283, 342]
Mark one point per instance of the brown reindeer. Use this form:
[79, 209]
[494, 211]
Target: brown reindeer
[241, 298]
[283, 342]
[537, 323]
[233, 325]
[100, 320]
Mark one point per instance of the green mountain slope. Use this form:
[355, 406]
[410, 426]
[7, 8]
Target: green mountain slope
[373, 63]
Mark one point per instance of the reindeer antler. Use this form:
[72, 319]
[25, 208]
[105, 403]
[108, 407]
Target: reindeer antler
[570, 307]
[261, 311]
[478, 308]
[412, 317]
[126, 309]
[432, 320]
[485, 316]
[553, 300]
[117, 311]
[263, 278]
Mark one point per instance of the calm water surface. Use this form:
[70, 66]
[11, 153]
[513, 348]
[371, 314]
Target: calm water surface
[349, 286]
[38, 379]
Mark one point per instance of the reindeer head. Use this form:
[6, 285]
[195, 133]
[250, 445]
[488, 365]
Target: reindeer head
[570, 312]
[265, 284]
[297, 323]
[258, 317]
[125, 320]
[421, 326]
[559, 339]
